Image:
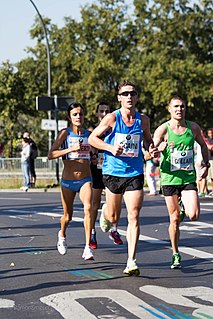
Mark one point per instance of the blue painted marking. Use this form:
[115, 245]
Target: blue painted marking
[153, 313]
[176, 312]
[98, 274]
[73, 272]
[166, 313]
[32, 251]
[88, 273]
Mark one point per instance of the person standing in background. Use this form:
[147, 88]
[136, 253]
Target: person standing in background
[210, 148]
[33, 155]
[102, 110]
[25, 163]
[151, 166]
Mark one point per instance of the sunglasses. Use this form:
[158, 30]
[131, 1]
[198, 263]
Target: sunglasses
[126, 93]
[104, 111]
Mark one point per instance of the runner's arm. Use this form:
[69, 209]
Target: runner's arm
[95, 140]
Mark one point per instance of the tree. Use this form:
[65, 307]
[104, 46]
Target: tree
[172, 56]
[12, 90]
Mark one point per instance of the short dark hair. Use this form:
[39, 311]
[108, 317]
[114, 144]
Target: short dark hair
[73, 106]
[26, 139]
[177, 97]
[125, 83]
[100, 104]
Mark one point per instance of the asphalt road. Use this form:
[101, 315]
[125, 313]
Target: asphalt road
[37, 282]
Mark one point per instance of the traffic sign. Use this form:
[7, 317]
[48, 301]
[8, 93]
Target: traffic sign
[47, 103]
[50, 125]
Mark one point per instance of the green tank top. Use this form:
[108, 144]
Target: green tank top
[177, 160]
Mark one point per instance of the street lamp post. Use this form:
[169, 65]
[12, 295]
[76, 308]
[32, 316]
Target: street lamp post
[44, 103]
[48, 65]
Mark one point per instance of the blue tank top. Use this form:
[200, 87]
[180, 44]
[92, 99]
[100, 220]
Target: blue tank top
[71, 139]
[130, 163]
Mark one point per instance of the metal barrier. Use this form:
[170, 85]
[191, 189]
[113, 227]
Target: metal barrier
[42, 164]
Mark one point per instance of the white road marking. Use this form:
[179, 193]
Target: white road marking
[199, 224]
[16, 198]
[66, 303]
[6, 303]
[178, 296]
[24, 218]
[206, 204]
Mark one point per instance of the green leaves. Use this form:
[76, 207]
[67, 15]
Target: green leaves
[163, 46]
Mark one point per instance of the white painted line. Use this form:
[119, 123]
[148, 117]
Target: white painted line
[6, 303]
[206, 204]
[49, 214]
[199, 224]
[22, 211]
[24, 218]
[66, 303]
[16, 198]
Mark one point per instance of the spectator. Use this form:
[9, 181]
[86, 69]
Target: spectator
[151, 165]
[33, 155]
[25, 163]
[210, 148]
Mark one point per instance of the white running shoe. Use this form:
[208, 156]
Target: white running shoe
[87, 254]
[104, 223]
[61, 245]
[132, 269]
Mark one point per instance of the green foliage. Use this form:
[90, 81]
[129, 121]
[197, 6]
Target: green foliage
[164, 47]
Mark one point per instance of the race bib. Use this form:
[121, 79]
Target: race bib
[100, 160]
[130, 143]
[182, 160]
[83, 153]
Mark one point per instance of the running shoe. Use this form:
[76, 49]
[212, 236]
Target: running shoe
[93, 242]
[182, 210]
[104, 223]
[87, 254]
[115, 236]
[132, 269]
[176, 259]
[201, 194]
[61, 245]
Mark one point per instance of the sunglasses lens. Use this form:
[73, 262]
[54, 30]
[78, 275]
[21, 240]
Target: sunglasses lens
[126, 93]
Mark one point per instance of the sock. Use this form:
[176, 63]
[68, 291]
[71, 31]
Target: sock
[129, 261]
[113, 228]
[93, 231]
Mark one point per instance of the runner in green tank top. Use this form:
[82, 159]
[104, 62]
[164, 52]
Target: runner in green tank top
[175, 140]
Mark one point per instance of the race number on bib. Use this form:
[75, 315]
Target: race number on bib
[182, 160]
[83, 153]
[130, 143]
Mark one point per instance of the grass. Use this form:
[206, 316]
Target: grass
[17, 182]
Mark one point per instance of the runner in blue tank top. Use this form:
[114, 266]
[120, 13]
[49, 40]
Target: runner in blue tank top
[123, 165]
[72, 145]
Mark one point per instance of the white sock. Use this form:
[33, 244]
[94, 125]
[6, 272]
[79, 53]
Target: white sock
[113, 228]
[93, 231]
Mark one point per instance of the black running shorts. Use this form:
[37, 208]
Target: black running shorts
[119, 185]
[170, 190]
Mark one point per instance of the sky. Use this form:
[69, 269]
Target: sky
[17, 18]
